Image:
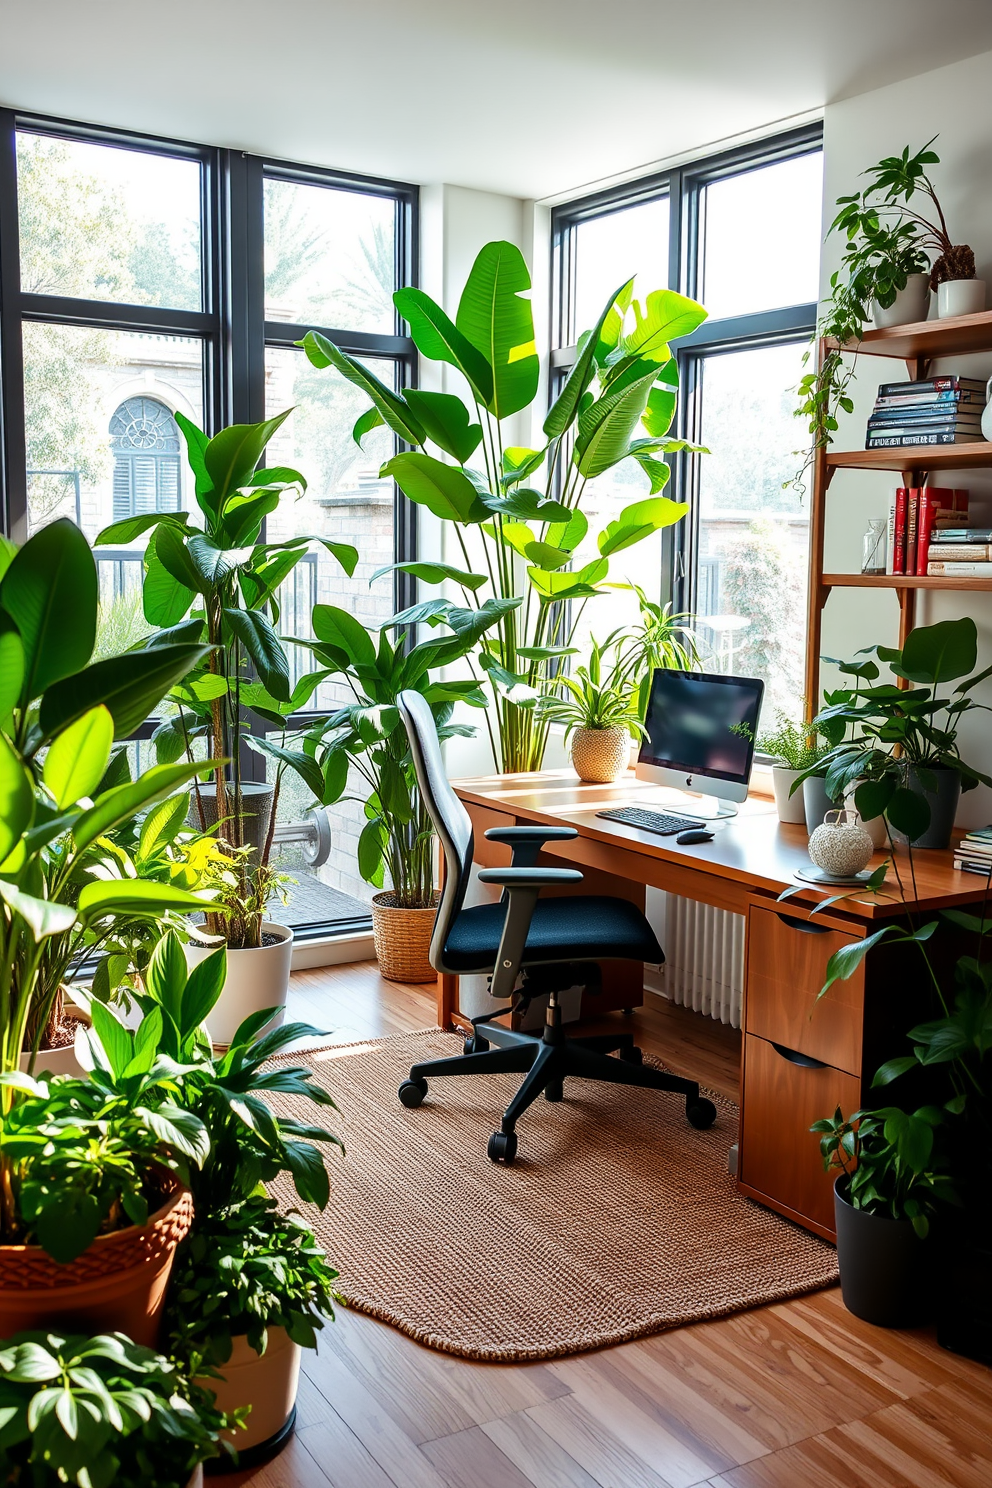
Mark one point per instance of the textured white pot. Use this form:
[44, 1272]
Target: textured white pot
[960, 297]
[255, 979]
[910, 304]
[790, 808]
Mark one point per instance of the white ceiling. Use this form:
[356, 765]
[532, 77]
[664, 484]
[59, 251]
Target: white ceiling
[527, 97]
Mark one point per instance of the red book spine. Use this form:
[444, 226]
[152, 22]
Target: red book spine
[912, 523]
[935, 501]
[899, 538]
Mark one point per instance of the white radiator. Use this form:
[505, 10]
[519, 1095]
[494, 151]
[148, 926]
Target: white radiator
[704, 959]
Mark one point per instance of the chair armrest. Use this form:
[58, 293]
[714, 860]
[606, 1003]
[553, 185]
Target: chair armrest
[527, 842]
[529, 878]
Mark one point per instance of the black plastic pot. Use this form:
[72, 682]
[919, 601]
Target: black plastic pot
[885, 1268]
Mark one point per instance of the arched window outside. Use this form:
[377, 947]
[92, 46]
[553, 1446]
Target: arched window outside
[145, 440]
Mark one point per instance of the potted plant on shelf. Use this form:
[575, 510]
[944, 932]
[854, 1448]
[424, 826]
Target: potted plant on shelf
[99, 1410]
[599, 712]
[917, 791]
[368, 736]
[519, 508]
[888, 1188]
[221, 575]
[794, 751]
[885, 274]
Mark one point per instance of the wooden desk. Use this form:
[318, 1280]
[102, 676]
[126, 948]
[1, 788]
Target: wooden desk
[800, 1058]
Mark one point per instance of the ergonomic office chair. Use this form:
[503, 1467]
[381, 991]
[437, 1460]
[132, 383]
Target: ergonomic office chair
[554, 943]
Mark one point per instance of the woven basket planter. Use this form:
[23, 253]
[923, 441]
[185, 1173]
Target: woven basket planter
[600, 755]
[118, 1284]
[402, 939]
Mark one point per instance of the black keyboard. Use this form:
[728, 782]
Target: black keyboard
[652, 821]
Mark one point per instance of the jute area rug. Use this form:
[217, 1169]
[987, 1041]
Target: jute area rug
[616, 1220]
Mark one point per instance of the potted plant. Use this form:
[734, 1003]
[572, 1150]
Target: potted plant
[885, 274]
[599, 712]
[794, 751]
[99, 1410]
[887, 1190]
[368, 736]
[518, 508]
[224, 577]
[918, 790]
[660, 639]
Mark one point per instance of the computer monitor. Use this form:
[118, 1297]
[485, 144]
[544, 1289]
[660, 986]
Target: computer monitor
[701, 728]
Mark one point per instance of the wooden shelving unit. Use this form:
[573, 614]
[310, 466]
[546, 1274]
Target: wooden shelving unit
[918, 345]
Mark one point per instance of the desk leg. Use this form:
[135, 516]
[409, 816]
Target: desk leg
[447, 1000]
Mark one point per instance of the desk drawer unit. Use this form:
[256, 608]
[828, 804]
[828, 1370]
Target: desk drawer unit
[787, 959]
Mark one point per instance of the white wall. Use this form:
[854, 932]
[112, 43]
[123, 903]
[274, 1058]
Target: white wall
[954, 102]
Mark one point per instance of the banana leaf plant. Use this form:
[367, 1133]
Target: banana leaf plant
[214, 579]
[517, 512]
[62, 790]
[368, 735]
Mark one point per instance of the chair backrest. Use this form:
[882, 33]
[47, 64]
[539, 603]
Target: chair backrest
[451, 821]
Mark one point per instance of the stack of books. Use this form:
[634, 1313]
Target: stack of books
[960, 553]
[939, 410]
[973, 853]
[919, 519]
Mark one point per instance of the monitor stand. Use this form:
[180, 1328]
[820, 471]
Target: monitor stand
[695, 803]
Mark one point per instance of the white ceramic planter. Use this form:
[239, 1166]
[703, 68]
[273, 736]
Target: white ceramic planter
[255, 979]
[910, 304]
[960, 297]
[790, 808]
[267, 1382]
[61, 1061]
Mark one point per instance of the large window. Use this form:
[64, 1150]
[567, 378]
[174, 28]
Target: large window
[144, 278]
[741, 233]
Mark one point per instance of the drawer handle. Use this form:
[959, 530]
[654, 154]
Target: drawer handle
[805, 1061]
[804, 925]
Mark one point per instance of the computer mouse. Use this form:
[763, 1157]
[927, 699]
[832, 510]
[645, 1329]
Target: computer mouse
[694, 834]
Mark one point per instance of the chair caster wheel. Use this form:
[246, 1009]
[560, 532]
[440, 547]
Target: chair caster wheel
[700, 1113]
[502, 1147]
[475, 1044]
[633, 1055]
[412, 1093]
[555, 1091]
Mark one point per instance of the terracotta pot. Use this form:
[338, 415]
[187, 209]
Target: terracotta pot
[267, 1382]
[600, 755]
[256, 979]
[402, 939]
[118, 1284]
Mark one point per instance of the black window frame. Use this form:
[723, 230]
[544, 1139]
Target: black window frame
[684, 186]
[230, 325]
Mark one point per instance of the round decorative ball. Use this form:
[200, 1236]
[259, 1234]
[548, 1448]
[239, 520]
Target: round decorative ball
[841, 846]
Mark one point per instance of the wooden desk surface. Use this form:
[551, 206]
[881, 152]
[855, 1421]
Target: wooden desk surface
[753, 851]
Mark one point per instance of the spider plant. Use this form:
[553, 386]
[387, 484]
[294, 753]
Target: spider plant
[599, 696]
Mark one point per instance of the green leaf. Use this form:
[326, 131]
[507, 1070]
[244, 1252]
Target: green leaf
[132, 527]
[845, 961]
[115, 1041]
[309, 1174]
[546, 556]
[196, 449]
[164, 598]
[435, 573]
[443, 489]
[337, 628]
[566, 405]
[638, 521]
[52, 578]
[365, 423]
[605, 428]
[527, 505]
[908, 812]
[44, 917]
[568, 534]
[178, 1129]
[335, 777]
[304, 764]
[125, 801]
[666, 317]
[497, 320]
[393, 409]
[439, 339]
[163, 824]
[129, 686]
[662, 399]
[446, 420]
[231, 456]
[255, 633]
[371, 852]
[941, 652]
[16, 798]
[135, 896]
[77, 757]
[11, 667]
[203, 988]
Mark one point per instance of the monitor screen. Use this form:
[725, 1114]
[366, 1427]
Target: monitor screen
[702, 724]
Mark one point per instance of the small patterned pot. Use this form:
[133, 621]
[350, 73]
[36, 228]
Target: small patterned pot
[600, 755]
[841, 846]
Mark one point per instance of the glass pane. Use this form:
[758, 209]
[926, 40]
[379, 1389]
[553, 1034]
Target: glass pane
[329, 257]
[609, 249]
[102, 443]
[602, 501]
[761, 238]
[108, 224]
[345, 500]
[753, 535]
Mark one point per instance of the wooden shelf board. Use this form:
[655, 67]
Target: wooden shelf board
[975, 456]
[904, 581]
[954, 336]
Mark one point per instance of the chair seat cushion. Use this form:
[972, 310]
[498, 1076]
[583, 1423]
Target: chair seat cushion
[569, 928]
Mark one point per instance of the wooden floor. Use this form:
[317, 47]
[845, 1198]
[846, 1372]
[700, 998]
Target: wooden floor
[798, 1395]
